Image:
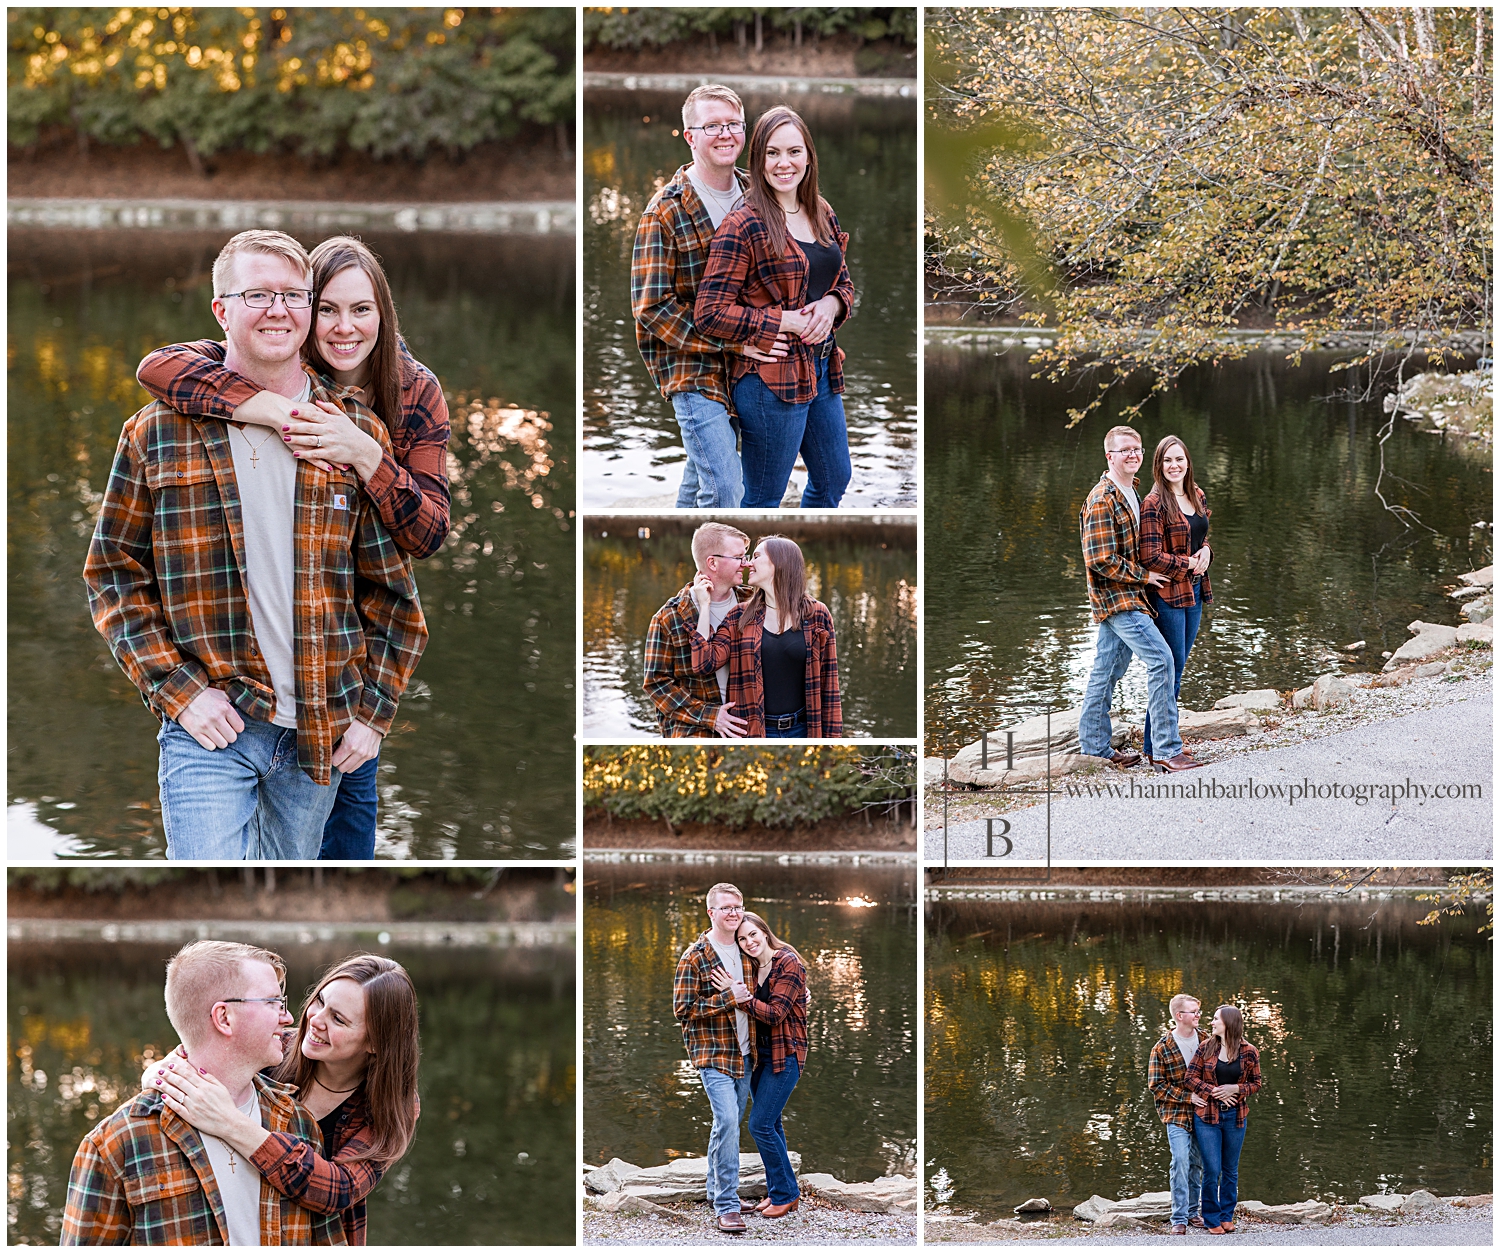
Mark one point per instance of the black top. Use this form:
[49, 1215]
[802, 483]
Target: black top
[1197, 532]
[823, 262]
[762, 1029]
[1227, 1072]
[329, 1124]
[783, 668]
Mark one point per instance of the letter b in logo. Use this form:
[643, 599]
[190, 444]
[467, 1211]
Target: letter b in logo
[990, 834]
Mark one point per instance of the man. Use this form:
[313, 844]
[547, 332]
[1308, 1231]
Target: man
[666, 266]
[1110, 524]
[258, 604]
[144, 1176]
[688, 704]
[1166, 1076]
[720, 1042]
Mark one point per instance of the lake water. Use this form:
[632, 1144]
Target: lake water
[480, 763]
[867, 170]
[492, 1161]
[865, 572]
[1374, 1035]
[1305, 559]
[854, 1111]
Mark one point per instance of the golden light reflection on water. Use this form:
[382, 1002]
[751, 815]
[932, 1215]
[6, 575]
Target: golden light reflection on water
[842, 974]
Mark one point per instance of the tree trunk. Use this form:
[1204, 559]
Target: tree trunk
[797, 26]
[189, 147]
[758, 42]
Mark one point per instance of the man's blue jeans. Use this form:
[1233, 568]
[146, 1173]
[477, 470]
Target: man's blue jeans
[1121, 637]
[349, 833]
[712, 478]
[1187, 1174]
[1220, 1144]
[768, 1094]
[727, 1097]
[772, 432]
[250, 801]
[1179, 627]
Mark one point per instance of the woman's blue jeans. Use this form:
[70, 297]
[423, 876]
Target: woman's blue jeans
[773, 431]
[1219, 1145]
[797, 731]
[1179, 627]
[769, 1093]
[349, 833]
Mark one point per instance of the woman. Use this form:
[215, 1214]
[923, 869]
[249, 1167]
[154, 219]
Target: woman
[356, 343]
[777, 266]
[779, 647]
[354, 1069]
[778, 1003]
[1225, 1072]
[1174, 541]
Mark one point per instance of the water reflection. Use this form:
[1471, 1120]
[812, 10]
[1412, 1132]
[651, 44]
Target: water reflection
[865, 572]
[854, 1111]
[1374, 1036]
[493, 1155]
[1305, 559]
[867, 162]
[479, 763]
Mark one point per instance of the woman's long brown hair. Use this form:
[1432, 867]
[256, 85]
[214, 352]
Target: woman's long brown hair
[775, 944]
[1163, 488]
[332, 257]
[789, 582]
[761, 197]
[1234, 1029]
[391, 1031]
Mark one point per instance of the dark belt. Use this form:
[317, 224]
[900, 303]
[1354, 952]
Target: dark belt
[785, 722]
[826, 348]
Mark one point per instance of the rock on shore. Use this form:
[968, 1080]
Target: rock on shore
[622, 1187]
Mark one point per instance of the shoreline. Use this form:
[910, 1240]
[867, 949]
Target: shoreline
[1470, 340]
[749, 84]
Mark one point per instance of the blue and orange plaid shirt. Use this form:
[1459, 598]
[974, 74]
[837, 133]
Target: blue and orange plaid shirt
[142, 1176]
[167, 584]
[744, 293]
[666, 266]
[1200, 1078]
[686, 701]
[1111, 552]
[705, 1014]
[409, 487]
[1167, 1077]
[1164, 547]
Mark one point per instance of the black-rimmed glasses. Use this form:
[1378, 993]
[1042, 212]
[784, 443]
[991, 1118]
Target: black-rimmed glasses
[257, 298]
[278, 1001]
[714, 129]
[727, 557]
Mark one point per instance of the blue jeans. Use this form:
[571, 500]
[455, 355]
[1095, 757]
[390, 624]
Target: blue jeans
[1121, 637]
[712, 478]
[727, 1097]
[1179, 627]
[250, 801]
[769, 1093]
[1220, 1144]
[797, 731]
[1187, 1174]
[349, 833]
[773, 431]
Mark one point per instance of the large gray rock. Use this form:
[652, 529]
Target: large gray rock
[1301, 1212]
[686, 1179]
[628, 1203]
[1468, 593]
[1029, 757]
[1262, 699]
[1479, 578]
[1477, 633]
[1387, 1202]
[1028, 770]
[894, 1194]
[1118, 1220]
[1472, 1202]
[1148, 1207]
[611, 1176]
[1329, 690]
[1215, 724]
[1418, 1201]
[1430, 638]
[1481, 610]
[1037, 1205]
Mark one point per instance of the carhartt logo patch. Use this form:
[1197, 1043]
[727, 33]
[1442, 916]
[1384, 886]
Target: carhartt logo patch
[340, 502]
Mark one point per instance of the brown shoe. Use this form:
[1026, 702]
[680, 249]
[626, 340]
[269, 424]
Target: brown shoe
[1214, 1231]
[732, 1224]
[751, 1207]
[1179, 1229]
[1180, 762]
[1124, 759]
[781, 1211]
[1227, 1227]
[1196, 1221]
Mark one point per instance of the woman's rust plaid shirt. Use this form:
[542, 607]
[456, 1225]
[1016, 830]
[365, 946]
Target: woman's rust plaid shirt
[1164, 547]
[737, 644]
[784, 1009]
[1200, 1078]
[744, 292]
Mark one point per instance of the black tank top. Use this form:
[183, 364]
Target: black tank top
[822, 268]
[783, 669]
[1228, 1072]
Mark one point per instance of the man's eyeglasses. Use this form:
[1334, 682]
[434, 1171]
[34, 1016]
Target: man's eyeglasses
[726, 557]
[714, 129]
[278, 1001]
[258, 299]
[1125, 452]
[729, 909]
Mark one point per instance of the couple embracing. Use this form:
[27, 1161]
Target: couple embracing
[1147, 563]
[737, 282]
[740, 997]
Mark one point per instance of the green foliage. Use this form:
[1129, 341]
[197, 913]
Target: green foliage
[737, 786]
[46, 880]
[385, 82]
[638, 28]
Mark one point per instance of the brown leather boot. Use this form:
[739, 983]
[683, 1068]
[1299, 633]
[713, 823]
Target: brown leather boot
[1180, 762]
[781, 1211]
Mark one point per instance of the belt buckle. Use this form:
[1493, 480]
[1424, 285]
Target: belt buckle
[826, 349]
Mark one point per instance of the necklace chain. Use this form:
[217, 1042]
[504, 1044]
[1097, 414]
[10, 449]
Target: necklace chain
[254, 448]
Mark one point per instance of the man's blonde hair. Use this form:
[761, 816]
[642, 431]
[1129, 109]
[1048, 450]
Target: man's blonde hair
[723, 889]
[1110, 434]
[271, 243]
[1178, 1001]
[708, 538]
[709, 91]
[204, 973]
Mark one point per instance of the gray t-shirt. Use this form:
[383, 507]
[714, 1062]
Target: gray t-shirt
[239, 1181]
[729, 954]
[1188, 1047]
[1132, 500]
[720, 204]
[718, 610]
[266, 474]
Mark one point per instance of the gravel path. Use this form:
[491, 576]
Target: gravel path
[812, 1224]
[1430, 732]
[1469, 1227]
